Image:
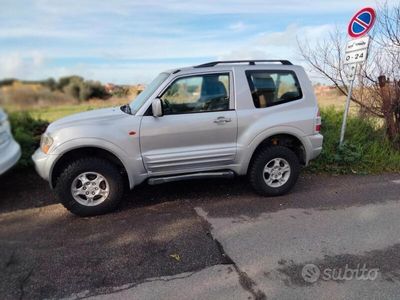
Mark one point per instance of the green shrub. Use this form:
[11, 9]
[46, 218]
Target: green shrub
[94, 89]
[366, 150]
[27, 132]
[72, 89]
[85, 90]
[64, 81]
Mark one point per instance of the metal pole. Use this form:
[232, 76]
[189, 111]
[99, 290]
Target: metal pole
[346, 110]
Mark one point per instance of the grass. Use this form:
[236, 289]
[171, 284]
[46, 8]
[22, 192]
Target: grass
[366, 149]
[27, 131]
[52, 113]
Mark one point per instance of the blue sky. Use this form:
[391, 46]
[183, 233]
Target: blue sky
[131, 41]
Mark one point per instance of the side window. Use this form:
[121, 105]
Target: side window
[200, 93]
[270, 88]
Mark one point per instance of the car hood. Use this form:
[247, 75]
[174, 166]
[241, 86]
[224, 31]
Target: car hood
[93, 117]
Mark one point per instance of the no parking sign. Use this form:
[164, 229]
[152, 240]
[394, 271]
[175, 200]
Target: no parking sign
[356, 51]
[361, 22]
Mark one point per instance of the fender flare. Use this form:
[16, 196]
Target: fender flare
[251, 147]
[92, 142]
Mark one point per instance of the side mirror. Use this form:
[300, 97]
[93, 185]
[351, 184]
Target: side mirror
[156, 107]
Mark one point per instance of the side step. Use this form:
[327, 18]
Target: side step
[220, 174]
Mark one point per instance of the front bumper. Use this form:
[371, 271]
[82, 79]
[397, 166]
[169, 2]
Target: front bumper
[9, 155]
[41, 160]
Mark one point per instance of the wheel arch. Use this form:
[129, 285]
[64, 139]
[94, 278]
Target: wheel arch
[288, 140]
[79, 152]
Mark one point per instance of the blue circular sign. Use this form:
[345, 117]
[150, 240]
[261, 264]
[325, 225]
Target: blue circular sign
[362, 22]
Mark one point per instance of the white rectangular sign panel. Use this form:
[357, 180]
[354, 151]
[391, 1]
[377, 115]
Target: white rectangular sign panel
[354, 57]
[357, 44]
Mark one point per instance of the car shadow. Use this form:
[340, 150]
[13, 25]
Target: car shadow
[189, 190]
[24, 189]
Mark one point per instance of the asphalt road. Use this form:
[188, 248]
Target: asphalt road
[216, 235]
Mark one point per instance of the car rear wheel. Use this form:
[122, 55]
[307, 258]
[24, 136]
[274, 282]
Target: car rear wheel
[90, 186]
[274, 171]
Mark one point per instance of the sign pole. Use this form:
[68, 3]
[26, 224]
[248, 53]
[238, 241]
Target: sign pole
[346, 111]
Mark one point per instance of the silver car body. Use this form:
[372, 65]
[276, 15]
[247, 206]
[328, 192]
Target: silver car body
[10, 151]
[149, 146]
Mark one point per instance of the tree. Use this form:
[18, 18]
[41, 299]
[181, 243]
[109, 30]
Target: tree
[377, 86]
[64, 81]
[50, 83]
[72, 89]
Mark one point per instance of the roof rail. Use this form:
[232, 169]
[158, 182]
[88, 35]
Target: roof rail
[250, 62]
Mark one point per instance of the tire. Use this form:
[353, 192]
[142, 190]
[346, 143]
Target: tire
[271, 157]
[87, 176]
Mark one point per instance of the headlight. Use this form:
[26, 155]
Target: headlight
[45, 142]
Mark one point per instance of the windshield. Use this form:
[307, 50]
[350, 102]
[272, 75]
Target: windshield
[137, 103]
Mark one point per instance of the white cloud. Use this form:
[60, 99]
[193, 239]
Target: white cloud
[11, 65]
[123, 7]
[289, 36]
[20, 66]
[279, 44]
[21, 32]
[238, 26]
[245, 53]
[309, 7]
[37, 59]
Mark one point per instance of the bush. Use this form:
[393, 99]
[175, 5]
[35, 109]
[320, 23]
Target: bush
[85, 90]
[64, 81]
[93, 89]
[366, 149]
[27, 132]
[73, 88]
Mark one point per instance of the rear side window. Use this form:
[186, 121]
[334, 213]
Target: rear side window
[270, 88]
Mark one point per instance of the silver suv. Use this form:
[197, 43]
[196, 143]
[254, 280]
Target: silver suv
[218, 119]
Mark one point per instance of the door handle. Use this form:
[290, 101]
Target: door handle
[222, 120]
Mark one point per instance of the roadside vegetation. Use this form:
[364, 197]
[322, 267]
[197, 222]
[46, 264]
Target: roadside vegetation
[27, 131]
[366, 148]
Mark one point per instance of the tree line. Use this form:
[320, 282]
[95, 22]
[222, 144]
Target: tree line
[74, 86]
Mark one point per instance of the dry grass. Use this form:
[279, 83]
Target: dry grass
[42, 103]
[335, 100]
[22, 96]
[52, 113]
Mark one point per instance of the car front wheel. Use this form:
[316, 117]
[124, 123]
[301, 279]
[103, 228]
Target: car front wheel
[274, 171]
[90, 186]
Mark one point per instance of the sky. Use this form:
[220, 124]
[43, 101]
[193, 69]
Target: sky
[130, 41]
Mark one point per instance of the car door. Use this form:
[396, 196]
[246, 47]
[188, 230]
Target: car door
[198, 129]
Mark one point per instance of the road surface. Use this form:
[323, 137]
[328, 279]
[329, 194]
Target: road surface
[205, 239]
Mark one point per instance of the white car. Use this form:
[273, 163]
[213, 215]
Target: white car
[10, 151]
